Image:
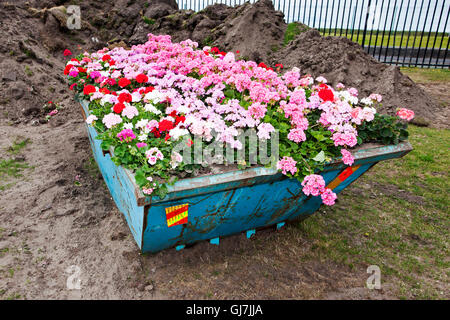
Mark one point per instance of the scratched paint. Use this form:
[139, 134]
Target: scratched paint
[223, 204]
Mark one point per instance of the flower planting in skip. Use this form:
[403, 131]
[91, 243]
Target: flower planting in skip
[154, 101]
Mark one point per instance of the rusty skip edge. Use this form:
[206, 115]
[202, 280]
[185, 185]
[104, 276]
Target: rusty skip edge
[244, 177]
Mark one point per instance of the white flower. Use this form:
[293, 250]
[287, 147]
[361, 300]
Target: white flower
[141, 123]
[367, 101]
[177, 132]
[130, 112]
[91, 118]
[136, 97]
[143, 137]
[321, 79]
[155, 96]
[151, 108]
[128, 125]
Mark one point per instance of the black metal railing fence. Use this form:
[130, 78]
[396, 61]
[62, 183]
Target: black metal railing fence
[401, 32]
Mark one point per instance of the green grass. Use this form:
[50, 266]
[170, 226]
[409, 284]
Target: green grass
[427, 75]
[18, 145]
[293, 29]
[394, 39]
[11, 168]
[28, 71]
[396, 216]
[148, 21]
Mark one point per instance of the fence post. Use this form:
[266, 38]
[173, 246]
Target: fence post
[365, 24]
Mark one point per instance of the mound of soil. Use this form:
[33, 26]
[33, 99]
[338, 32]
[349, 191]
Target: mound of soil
[340, 60]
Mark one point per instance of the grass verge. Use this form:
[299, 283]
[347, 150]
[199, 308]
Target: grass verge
[395, 217]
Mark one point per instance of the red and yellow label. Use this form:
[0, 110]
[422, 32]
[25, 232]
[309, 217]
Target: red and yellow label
[342, 176]
[177, 215]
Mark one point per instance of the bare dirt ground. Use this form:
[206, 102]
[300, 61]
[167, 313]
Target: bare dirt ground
[59, 213]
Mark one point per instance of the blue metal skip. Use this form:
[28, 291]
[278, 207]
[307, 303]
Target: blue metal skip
[224, 204]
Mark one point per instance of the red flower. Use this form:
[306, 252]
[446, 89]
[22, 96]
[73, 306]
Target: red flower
[156, 133]
[149, 89]
[125, 97]
[112, 62]
[215, 50]
[206, 52]
[179, 119]
[67, 69]
[141, 78]
[67, 52]
[82, 70]
[104, 91]
[279, 65]
[88, 89]
[74, 60]
[262, 65]
[237, 52]
[72, 86]
[165, 125]
[118, 107]
[123, 82]
[167, 137]
[326, 95]
[106, 57]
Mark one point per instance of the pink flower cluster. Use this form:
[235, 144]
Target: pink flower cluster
[287, 164]
[405, 114]
[126, 135]
[347, 157]
[315, 185]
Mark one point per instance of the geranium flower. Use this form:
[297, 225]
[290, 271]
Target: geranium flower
[89, 89]
[328, 197]
[165, 125]
[67, 52]
[142, 78]
[126, 135]
[123, 82]
[313, 184]
[118, 107]
[326, 94]
[287, 164]
[405, 114]
[111, 120]
[347, 157]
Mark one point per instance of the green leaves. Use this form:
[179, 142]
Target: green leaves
[318, 135]
[383, 128]
[141, 180]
